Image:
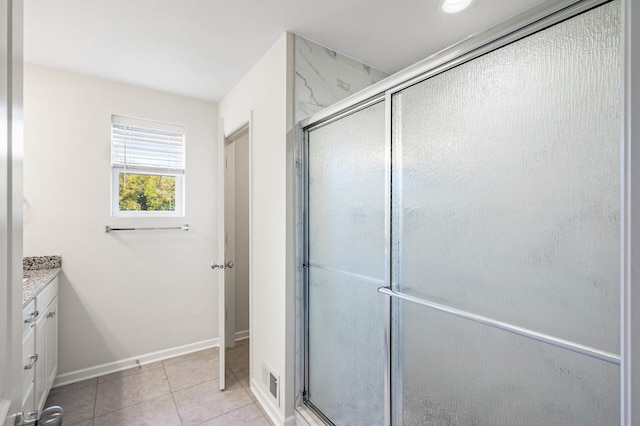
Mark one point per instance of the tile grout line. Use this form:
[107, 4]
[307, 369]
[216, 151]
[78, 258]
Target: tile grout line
[224, 414]
[99, 381]
[173, 398]
[194, 385]
[190, 357]
[175, 405]
[140, 371]
[236, 409]
[95, 402]
[250, 393]
[56, 392]
[144, 399]
[167, 376]
[131, 406]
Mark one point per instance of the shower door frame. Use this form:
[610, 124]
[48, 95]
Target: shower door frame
[302, 148]
[535, 19]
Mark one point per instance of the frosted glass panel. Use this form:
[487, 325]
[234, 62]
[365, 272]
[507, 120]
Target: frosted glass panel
[346, 348]
[456, 372]
[346, 193]
[346, 360]
[506, 171]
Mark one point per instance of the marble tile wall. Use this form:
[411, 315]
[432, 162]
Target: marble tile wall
[324, 77]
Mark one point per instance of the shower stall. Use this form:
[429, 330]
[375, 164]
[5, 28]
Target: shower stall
[461, 233]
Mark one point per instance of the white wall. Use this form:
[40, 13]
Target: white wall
[267, 95]
[265, 92]
[242, 232]
[128, 293]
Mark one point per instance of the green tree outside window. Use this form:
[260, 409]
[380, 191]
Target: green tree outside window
[140, 192]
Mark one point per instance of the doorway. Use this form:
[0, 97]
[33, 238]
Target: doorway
[237, 234]
[237, 292]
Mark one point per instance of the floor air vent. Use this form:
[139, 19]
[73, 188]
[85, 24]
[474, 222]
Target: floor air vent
[273, 385]
[271, 381]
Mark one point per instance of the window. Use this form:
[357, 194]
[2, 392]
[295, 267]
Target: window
[147, 168]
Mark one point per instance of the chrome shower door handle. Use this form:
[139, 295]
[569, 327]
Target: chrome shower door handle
[229, 264]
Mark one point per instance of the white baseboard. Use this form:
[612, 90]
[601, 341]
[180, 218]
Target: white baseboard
[242, 335]
[112, 367]
[267, 405]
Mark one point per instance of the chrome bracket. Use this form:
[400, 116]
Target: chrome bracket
[51, 416]
[21, 420]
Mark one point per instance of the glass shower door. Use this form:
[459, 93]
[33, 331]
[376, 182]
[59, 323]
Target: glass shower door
[346, 261]
[506, 207]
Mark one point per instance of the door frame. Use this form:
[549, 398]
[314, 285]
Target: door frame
[630, 238]
[11, 195]
[223, 137]
[231, 157]
[229, 238]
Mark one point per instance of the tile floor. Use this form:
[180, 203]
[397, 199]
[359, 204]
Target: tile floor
[181, 391]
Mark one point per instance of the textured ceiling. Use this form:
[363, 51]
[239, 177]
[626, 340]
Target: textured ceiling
[202, 48]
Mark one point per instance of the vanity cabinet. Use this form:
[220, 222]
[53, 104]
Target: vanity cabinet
[40, 347]
[51, 345]
[29, 359]
[47, 350]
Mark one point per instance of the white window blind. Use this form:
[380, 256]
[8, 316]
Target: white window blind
[141, 146]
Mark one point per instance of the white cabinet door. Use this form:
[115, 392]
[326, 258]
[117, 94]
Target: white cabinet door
[39, 367]
[51, 343]
[28, 365]
[47, 350]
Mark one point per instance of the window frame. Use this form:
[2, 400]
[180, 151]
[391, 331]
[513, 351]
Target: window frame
[116, 170]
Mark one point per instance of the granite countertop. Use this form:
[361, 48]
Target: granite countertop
[38, 271]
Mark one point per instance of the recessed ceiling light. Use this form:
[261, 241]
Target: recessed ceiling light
[453, 6]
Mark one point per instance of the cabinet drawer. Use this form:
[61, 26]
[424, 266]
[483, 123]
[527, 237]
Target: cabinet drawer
[29, 316]
[28, 354]
[47, 294]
